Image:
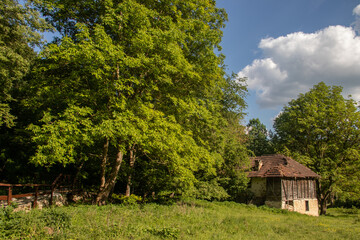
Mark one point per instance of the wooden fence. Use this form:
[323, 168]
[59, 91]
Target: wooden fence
[36, 194]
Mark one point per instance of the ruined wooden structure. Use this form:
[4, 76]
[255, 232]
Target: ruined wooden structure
[281, 182]
[38, 190]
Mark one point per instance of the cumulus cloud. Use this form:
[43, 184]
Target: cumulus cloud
[292, 64]
[356, 10]
[356, 24]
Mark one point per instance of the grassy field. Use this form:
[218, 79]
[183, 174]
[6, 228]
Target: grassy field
[182, 220]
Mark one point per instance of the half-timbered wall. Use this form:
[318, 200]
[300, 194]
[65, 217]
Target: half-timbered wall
[293, 189]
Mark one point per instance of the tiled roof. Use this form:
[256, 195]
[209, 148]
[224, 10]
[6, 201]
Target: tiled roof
[278, 165]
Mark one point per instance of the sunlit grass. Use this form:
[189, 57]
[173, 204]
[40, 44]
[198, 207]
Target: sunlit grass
[185, 220]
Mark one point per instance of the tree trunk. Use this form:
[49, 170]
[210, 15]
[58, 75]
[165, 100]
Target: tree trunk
[323, 194]
[76, 175]
[131, 164]
[323, 207]
[103, 164]
[110, 182]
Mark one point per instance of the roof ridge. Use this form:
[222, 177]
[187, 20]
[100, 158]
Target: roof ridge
[279, 165]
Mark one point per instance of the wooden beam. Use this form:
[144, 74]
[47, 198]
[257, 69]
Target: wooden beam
[9, 198]
[36, 197]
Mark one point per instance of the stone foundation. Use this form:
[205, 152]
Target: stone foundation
[304, 206]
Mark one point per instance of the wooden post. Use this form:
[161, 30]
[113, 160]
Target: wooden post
[9, 195]
[36, 196]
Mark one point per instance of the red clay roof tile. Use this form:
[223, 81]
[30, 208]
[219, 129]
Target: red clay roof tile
[278, 165]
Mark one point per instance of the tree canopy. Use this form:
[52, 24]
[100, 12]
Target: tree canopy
[19, 33]
[259, 140]
[136, 85]
[322, 130]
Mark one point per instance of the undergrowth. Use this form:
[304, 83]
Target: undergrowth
[186, 219]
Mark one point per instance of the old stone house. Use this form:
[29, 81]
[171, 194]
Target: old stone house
[281, 182]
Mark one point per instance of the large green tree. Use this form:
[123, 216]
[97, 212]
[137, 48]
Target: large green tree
[19, 33]
[258, 138]
[130, 79]
[322, 130]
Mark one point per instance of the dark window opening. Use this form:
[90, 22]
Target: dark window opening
[307, 206]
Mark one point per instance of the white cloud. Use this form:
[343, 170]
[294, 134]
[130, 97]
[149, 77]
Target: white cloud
[292, 64]
[356, 10]
[356, 24]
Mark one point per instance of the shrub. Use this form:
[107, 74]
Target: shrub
[56, 218]
[10, 222]
[122, 199]
[22, 225]
[208, 191]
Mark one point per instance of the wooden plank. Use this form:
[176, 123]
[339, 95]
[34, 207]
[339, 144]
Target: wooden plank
[297, 188]
[302, 189]
[23, 185]
[23, 195]
[5, 185]
[298, 185]
[284, 190]
[313, 190]
[3, 198]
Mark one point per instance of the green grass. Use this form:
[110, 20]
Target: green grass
[184, 220]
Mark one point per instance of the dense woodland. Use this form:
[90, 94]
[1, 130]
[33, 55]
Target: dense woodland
[131, 97]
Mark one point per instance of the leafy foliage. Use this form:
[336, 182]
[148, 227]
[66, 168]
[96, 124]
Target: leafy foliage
[19, 32]
[259, 142]
[18, 224]
[131, 200]
[137, 81]
[210, 190]
[322, 130]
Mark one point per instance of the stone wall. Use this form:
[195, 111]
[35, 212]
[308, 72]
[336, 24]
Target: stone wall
[258, 188]
[299, 205]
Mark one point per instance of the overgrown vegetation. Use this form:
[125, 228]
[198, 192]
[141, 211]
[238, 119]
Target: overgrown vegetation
[183, 220]
[321, 129]
[131, 97]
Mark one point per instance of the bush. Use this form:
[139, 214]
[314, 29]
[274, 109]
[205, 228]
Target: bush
[208, 191]
[22, 225]
[56, 218]
[122, 199]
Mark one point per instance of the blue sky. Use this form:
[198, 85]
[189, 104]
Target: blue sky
[285, 47]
